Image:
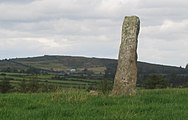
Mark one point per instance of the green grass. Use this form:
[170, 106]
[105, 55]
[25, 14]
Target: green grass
[166, 104]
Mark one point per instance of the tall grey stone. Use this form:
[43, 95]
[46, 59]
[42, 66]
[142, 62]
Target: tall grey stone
[126, 73]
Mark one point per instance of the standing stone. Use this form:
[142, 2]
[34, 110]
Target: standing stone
[126, 73]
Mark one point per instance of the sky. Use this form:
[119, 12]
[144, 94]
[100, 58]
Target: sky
[92, 28]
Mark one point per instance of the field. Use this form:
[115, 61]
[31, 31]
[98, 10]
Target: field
[72, 81]
[159, 104]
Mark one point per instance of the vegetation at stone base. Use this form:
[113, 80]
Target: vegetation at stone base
[105, 86]
[159, 104]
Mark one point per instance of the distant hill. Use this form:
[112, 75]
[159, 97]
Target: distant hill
[65, 63]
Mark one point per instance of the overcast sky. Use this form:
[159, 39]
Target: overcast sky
[93, 28]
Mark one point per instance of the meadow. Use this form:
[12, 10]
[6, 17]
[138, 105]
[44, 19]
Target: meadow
[157, 104]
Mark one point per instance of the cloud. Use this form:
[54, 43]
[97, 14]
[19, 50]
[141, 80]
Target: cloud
[16, 1]
[93, 28]
[18, 47]
[164, 52]
[172, 26]
[163, 4]
[168, 31]
[165, 43]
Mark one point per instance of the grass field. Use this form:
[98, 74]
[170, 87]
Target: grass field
[161, 104]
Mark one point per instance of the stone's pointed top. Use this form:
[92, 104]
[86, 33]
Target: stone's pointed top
[131, 18]
[131, 22]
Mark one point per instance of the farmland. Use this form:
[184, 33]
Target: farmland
[52, 81]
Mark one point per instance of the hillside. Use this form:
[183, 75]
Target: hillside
[65, 63]
[80, 71]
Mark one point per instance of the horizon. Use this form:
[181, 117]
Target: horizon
[23, 57]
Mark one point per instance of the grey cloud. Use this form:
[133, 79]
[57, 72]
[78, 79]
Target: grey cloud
[92, 28]
[16, 1]
[168, 30]
[163, 4]
[54, 9]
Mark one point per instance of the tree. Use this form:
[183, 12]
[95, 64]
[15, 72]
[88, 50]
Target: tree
[23, 86]
[33, 70]
[110, 71]
[33, 85]
[186, 67]
[155, 81]
[5, 86]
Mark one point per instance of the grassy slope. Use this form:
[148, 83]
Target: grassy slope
[167, 104]
[63, 62]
